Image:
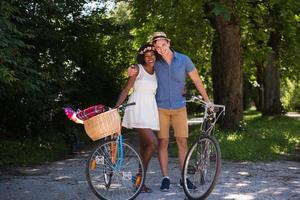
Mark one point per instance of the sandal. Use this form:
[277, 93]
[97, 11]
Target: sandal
[145, 189]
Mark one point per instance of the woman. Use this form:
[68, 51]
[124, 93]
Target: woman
[143, 116]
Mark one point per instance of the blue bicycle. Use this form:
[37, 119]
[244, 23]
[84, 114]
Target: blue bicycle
[114, 169]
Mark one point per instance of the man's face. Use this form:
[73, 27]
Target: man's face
[162, 46]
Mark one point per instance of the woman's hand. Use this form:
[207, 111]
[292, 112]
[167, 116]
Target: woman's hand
[132, 71]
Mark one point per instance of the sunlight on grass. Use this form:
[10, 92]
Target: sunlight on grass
[234, 137]
[293, 139]
[251, 114]
[260, 138]
[278, 150]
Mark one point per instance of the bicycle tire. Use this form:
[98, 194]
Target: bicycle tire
[105, 180]
[202, 172]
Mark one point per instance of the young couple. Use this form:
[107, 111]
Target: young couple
[158, 89]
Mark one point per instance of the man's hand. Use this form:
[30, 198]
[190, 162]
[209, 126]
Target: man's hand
[132, 71]
[210, 107]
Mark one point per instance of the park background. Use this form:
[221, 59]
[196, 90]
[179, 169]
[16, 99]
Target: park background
[58, 53]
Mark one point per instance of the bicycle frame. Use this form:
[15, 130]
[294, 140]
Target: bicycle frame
[203, 160]
[111, 167]
[209, 120]
[119, 155]
[212, 112]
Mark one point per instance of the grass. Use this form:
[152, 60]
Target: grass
[29, 152]
[260, 138]
[263, 138]
[39, 150]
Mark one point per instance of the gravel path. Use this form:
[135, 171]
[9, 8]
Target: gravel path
[65, 180]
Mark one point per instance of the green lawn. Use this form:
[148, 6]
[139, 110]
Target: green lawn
[30, 152]
[260, 138]
[39, 150]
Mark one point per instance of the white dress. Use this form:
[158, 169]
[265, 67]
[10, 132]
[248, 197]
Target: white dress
[144, 114]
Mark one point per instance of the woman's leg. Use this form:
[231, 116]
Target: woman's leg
[148, 144]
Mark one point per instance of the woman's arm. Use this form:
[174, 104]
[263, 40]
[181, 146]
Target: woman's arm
[125, 91]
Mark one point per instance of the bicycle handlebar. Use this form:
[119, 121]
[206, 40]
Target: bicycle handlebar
[212, 111]
[200, 100]
[125, 105]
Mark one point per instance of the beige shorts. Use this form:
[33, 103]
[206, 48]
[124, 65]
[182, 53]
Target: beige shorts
[177, 118]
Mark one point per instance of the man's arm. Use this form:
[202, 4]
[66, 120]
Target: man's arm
[198, 83]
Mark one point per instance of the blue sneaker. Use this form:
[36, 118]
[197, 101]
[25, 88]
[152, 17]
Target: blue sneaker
[165, 185]
[190, 185]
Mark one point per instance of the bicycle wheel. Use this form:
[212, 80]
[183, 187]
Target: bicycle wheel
[111, 174]
[202, 167]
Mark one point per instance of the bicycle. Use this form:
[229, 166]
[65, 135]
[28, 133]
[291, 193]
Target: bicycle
[114, 169]
[202, 164]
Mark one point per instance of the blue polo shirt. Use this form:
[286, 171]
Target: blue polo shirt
[171, 81]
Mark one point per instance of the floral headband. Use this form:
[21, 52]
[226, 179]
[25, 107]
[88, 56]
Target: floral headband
[147, 49]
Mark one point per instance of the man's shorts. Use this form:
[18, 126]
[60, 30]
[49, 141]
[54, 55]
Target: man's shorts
[175, 117]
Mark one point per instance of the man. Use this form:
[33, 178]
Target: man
[171, 71]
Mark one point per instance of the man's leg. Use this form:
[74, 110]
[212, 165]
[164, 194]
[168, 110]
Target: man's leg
[182, 150]
[179, 123]
[163, 155]
[163, 135]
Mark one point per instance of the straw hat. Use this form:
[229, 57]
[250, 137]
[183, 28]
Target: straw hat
[159, 36]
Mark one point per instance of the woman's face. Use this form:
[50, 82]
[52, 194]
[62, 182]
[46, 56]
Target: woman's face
[149, 58]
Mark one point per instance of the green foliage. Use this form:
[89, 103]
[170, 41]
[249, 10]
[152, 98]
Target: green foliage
[185, 24]
[219, 9]
[78, 59]
[12, 63]
[7, 76]
[259, 20]
[291, 95]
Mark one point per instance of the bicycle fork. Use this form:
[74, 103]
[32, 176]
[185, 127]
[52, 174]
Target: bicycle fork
[115, 153]
[119, 154]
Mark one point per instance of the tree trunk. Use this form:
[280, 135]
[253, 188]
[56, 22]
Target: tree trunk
[272, 104]
[226, 71]
[259, 97]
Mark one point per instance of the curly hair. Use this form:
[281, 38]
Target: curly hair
[142, 50]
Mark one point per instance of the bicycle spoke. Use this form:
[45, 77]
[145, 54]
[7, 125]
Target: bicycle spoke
[113, 180]
[202, 167]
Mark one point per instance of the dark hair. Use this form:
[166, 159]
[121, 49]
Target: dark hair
[143, 49]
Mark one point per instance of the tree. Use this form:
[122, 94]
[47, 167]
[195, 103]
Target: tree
[78, 58]
[270, 44]
[226, 62]
[12, 62]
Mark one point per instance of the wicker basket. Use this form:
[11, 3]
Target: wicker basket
[103, 125]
